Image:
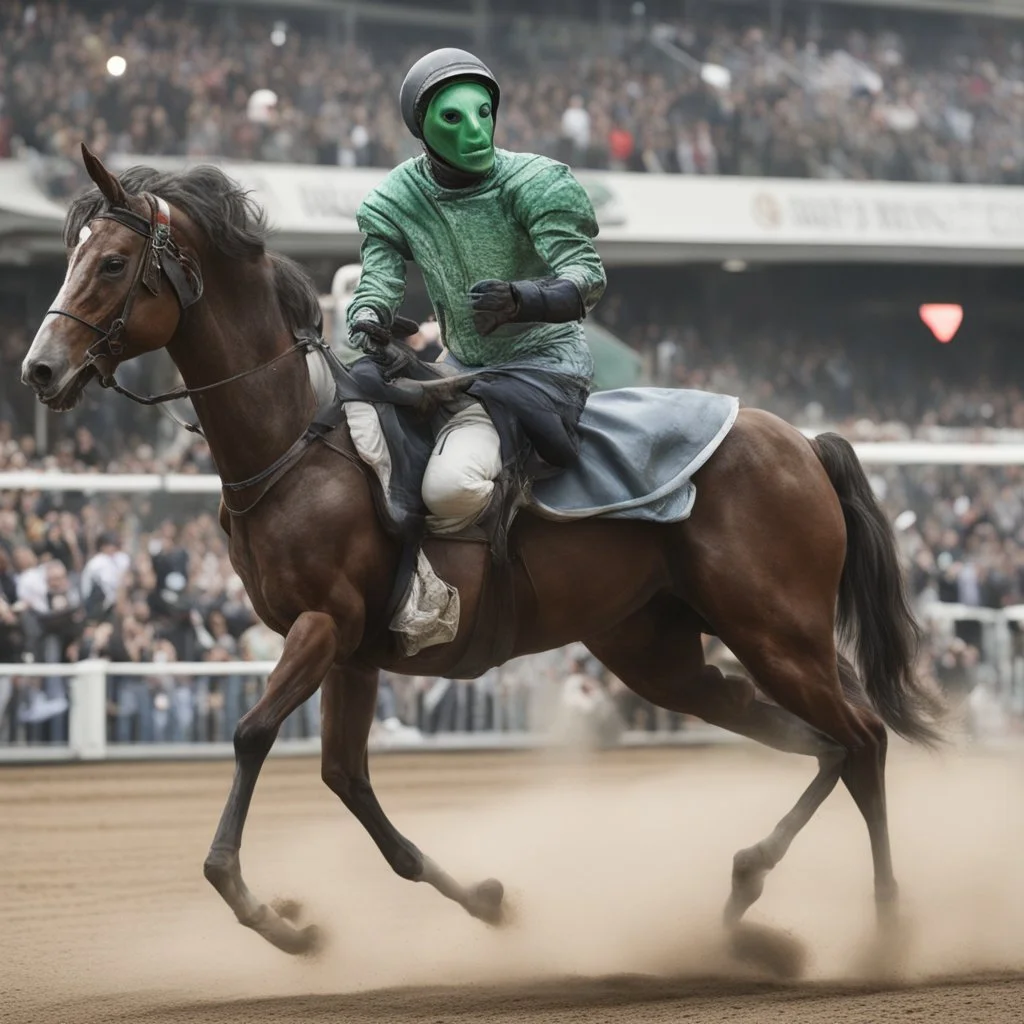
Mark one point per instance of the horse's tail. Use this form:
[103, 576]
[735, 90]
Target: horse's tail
[874, 611]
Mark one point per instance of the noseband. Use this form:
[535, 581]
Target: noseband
[161, 255]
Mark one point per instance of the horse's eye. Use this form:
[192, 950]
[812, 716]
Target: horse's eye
[113, 265]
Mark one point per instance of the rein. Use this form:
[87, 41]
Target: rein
[163, 256]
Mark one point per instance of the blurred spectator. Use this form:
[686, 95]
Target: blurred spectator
[813, 96]
[103, 575]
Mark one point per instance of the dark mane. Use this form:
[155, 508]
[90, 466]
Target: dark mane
[233, 222]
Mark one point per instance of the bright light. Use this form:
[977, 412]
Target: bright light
[279, 33]
[716, 76]
[734, 266]
[942, 319]
[116, 66]
[905, 520]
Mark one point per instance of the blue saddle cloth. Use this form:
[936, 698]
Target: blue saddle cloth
[639, 449]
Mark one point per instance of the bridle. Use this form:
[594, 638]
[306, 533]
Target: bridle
[161, 256]
[164, 256]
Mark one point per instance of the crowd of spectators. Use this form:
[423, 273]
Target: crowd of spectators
[146, 579]
[941, 102]
[871, 393]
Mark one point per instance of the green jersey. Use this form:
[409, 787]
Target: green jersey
[528, 218]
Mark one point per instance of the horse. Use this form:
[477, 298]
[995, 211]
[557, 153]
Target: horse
[787, 555]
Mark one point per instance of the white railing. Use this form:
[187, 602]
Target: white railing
[874, 453]
[87, 711]
[88, 726]
[87, 734]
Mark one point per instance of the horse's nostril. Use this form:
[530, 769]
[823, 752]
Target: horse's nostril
[40, 374]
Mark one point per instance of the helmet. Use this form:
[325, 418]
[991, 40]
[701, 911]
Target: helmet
[433, 70]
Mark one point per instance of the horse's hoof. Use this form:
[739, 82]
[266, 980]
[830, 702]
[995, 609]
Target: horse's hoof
[884, 958]
[311, 941]
[487, 902]
[290, 910]
[768, 949]
[279, 932]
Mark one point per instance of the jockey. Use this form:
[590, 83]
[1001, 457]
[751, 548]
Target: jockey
[504, 243]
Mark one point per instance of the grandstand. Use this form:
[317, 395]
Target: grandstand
[781, 188]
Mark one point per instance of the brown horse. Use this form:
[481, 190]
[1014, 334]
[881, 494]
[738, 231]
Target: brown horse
[785, 543]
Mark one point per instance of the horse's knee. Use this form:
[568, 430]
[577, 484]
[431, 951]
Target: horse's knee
[336, 779]
[254, 736]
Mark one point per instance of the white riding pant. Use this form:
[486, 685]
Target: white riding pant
[460, 474]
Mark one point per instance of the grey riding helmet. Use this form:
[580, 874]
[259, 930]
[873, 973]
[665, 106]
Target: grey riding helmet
[432, 71]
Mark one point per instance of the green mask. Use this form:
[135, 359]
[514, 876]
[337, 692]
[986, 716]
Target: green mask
[459, 127]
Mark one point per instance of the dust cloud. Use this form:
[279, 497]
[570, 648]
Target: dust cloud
[612, 871]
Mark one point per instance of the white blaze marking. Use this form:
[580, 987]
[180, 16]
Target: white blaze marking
[60, 300]
[83, 236]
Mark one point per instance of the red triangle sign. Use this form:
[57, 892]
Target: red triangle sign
[942, 319]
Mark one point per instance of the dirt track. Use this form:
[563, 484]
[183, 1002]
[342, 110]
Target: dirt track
[617, 868]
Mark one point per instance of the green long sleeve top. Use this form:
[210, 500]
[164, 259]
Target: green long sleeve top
[529, 218]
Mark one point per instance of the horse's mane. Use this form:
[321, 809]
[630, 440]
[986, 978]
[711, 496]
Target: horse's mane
[233, 222]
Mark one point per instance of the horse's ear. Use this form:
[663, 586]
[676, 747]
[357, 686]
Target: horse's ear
[107, 183]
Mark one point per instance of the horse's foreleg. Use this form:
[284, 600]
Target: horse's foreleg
[309, 651]
[348, 704]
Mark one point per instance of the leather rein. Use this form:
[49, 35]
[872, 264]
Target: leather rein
[164, 257]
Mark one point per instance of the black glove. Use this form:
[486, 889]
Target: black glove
[553, 300]
[493, 303]
[369, 335]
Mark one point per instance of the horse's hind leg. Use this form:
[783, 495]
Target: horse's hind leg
[659, 655]
[309, 649]
[798, 667]
[864, 778]
[750, 866]
[348, 701]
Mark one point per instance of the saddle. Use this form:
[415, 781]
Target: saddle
[426, 395]
[639, 449]
[396, 422]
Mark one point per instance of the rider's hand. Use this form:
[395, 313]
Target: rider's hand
[493, 303]
[367, 333]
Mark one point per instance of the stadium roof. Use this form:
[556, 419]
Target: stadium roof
[983, 8]
[453, 13]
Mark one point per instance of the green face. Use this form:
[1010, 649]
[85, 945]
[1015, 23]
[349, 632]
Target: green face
[459, 128]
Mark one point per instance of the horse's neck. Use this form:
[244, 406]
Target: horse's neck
[250, 422]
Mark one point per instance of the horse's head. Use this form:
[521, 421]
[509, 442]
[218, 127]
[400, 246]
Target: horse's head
[112, 305]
